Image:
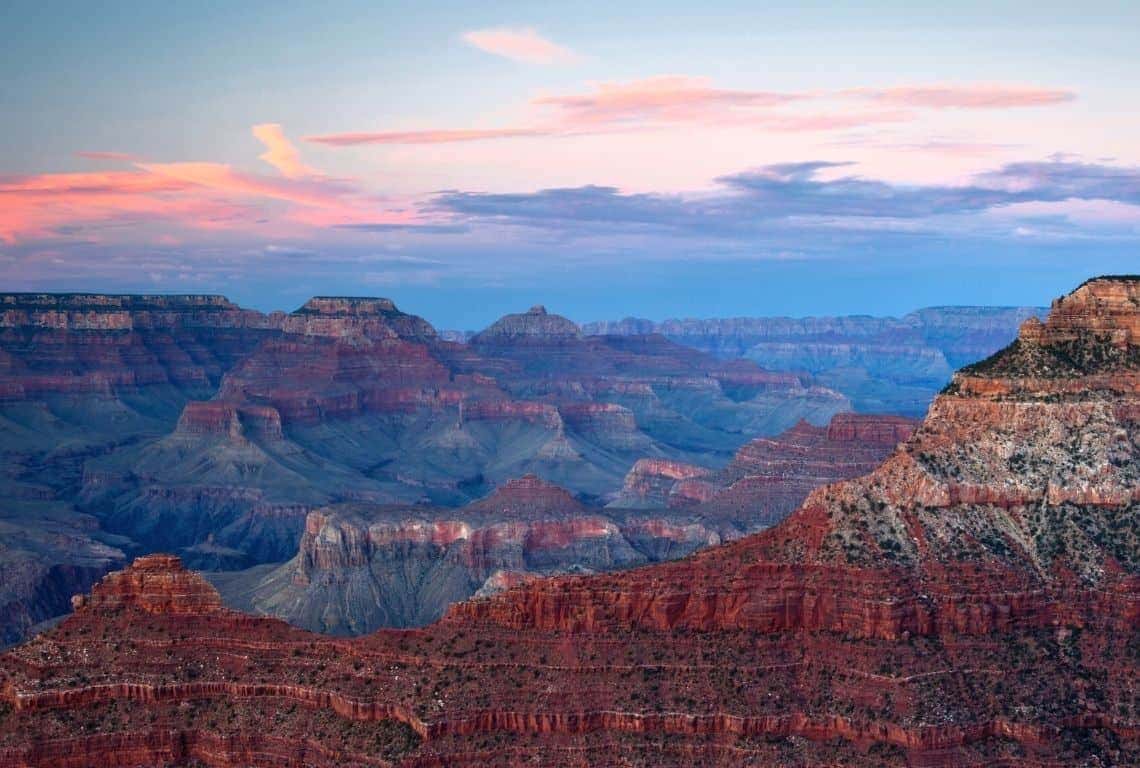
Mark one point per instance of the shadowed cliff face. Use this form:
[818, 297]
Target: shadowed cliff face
[361, 567]
[364, 566]
[131, 424]
[975, 600]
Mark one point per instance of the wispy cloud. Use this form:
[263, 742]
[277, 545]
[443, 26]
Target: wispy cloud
[110, 156]
[280, 152]
[519, 44]
[665, 101]
[668, 98]
[426, 137]
[968, 96]
[648, 104]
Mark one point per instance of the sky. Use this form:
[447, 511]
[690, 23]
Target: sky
[666, 159]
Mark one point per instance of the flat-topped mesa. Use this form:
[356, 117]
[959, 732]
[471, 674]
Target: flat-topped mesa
[339, 306]
[533, 325]
[233, 420]
[111, 302]
[345, 317]
[124, 312]
[153, 584]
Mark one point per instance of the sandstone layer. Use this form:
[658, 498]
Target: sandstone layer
[769, 476]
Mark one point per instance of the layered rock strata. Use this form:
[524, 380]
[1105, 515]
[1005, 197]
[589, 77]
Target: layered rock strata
[189, 424]
[770, 476]
[362, 567]
[973, 601]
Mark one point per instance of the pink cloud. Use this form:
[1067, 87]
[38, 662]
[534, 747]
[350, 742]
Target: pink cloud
[611, 107]
[667, 98]
[519, 44]
[117, 156]
[981, 96]
[37, 206]
[280, 152]
[426, 137]
[671, 100]
[316, 202]
[189, 195]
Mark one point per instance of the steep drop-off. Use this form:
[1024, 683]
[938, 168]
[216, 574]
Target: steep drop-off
[974, 601]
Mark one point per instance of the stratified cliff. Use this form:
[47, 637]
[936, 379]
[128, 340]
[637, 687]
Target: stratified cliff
[974, 601]
[769, 476]
[361, 567]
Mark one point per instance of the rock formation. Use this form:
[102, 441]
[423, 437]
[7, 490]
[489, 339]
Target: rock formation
[133, 424]
[535, 324]
[361, 567]
[884, 364]
[973, 601]
[152, 584]
[769, 476]
[651, 483]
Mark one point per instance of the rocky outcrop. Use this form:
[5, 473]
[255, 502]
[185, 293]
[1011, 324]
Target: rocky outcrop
[527, 498]
[536, 323]
[152, 584]
[768, 477]
[651, 483]
[347, 317]
[362, 567]
[217, 417]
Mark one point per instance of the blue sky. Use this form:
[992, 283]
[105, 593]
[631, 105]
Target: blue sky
[664, 159]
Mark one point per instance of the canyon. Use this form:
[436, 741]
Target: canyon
[133, 424]
[363, 566]
[973, 600]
